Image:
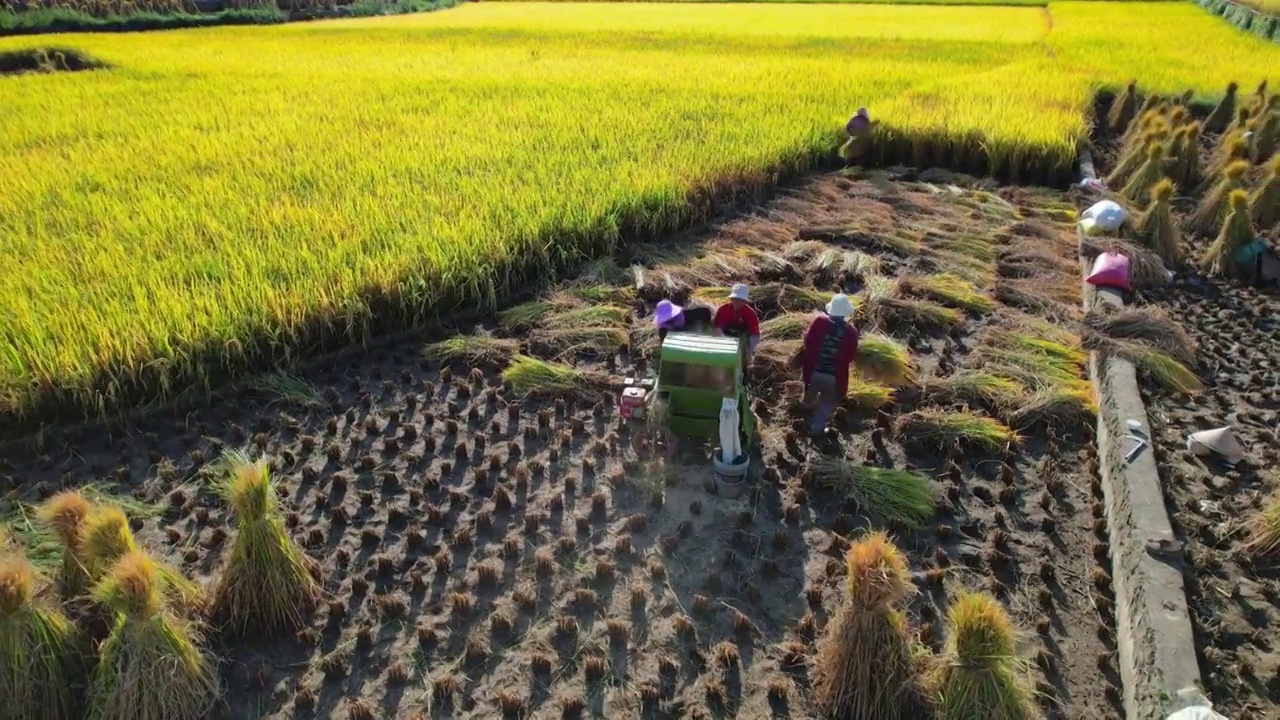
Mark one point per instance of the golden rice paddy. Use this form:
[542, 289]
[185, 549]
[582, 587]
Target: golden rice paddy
[226, 196]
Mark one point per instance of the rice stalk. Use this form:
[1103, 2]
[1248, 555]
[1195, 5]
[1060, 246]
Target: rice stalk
[1153, 363]
[979, 674]
[567, 341]
[884, 360]
[64, 515]
[1123, 109]
[151, 666]
[533, 377]
[1264, 528]
[883, 494]
[1071, 406]
[943, 429]
[1221, 257]
[949, 289]
[472, 350]
[265, 586]
[39, 653]
[1156, 226]
[867, 661]
[1264, 203]
[1223, 112]
[107, 539]
[1151, 325]
[1138, 188]
[868, 395]
[974, 388]
[789, 326]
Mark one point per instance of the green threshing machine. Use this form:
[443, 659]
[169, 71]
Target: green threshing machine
[700, 394]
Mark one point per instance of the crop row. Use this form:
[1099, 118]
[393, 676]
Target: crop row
[228, 197]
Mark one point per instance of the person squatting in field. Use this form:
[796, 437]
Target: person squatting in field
[829, 349]
[858, 129]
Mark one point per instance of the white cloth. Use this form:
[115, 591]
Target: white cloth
[730, 444]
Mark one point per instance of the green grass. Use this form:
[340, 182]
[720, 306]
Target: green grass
[229, 197]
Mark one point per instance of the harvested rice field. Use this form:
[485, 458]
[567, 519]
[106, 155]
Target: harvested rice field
[488, 543]
[227, 199]
[1226, 329]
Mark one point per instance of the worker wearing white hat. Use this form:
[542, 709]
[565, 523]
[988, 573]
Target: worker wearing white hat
[738, 319]
[829, 349]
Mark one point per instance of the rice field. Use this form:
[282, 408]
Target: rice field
[226, 197]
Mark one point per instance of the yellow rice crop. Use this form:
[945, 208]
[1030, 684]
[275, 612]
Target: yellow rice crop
[228, 195]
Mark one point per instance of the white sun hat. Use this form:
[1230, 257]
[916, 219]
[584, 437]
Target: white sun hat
[739, 292]
[840, 306]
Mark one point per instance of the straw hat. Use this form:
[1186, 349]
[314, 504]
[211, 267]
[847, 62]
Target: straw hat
[1220, 441]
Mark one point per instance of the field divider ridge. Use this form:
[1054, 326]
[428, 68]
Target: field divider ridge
[1156, 643]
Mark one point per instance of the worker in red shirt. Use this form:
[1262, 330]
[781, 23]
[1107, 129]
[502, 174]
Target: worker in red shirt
[737, 318]
[829, 350]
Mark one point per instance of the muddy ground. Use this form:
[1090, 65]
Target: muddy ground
[1234, 593]
[488, 556]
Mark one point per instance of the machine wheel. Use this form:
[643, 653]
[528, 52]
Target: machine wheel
[653, 442]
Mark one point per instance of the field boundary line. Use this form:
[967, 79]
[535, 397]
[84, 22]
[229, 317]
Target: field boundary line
[1156, 643]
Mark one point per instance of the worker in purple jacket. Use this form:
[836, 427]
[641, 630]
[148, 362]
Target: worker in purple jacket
[858, 145]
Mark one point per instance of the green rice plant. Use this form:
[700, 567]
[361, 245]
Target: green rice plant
[530, 376]
[1223, 112]
[1050, 355]
[1146, 324]
[973, 246]
[151, 666]
[880, 304]
[980, 674]
[526, 315]
[64, 515]
[597, 292]
[1123, 109]
[1165, 370]
[868, 664]
[975, 388]
[868, 395]
[884, 360]
[945, 429]
[472, 350]
[1221, 257]
[789, 326]
[569, 341]
[974, 270]
[885, 495]
[1156, 226]
[1069, 407]
[949, 289]
[1138, 188]
[266, 586]
[107, 539]
[1264, 203]
[39, 653]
